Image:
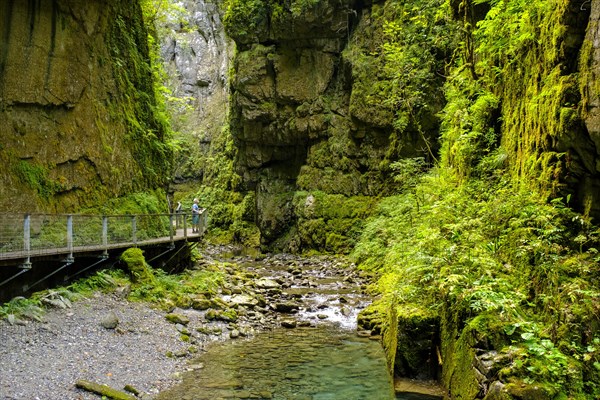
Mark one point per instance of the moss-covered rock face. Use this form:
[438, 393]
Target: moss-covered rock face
[78, 116]
[308, 113]
[588, 182]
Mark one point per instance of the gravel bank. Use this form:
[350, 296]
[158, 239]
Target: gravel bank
[43, 360]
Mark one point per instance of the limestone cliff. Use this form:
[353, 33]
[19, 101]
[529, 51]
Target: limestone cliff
[314, 140]
[78, 115]
[197, 54]
[323, 106]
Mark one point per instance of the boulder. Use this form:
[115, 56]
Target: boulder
[110, 320]
[177, 318]
[285, 307]
[266, 283]
[289, 323]
[243, 300]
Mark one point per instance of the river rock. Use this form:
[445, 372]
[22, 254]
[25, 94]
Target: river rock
[289, 323]
[229, 315]
[285, 307]
[243, 300]
[109, 321]
[201, 304]
[182, 329]
[177, 318]
[266, 283]
[123, 291]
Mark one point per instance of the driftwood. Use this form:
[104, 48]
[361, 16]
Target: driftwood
[103, 390]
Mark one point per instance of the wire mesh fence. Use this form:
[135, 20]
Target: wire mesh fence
[38, 234]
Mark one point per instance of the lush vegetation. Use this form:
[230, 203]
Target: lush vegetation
[523, 269]
[140, 101]
[486, 242]
[147, 284]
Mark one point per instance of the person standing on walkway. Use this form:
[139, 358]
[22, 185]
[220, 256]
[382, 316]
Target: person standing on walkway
[195, 217]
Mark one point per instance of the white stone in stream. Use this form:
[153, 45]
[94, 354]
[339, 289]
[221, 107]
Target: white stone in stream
[243, 300]
[266, 283]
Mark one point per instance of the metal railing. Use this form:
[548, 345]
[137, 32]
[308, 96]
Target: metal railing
[28, 235]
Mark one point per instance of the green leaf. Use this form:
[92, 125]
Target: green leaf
[527, 336]
[510, 329]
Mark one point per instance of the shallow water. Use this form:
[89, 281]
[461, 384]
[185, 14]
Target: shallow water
[323, 361]
[319, 363]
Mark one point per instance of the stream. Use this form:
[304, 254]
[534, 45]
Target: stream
[307, 350]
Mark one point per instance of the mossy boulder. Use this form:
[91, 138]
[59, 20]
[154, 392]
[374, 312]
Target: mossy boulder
[139, 270]
[177, 318]
[228, 315]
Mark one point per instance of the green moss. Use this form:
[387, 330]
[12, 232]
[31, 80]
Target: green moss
[36, 177]
[140, 271]
[244, 19]
[330, 222]
[136, 104]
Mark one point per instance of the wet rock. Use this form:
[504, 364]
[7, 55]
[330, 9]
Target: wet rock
[109, 321]
[289, 323]
[234, 334]
[285, 307]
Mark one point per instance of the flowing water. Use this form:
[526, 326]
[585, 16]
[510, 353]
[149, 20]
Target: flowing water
[321, 359]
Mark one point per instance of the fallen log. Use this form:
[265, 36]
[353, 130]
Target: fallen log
[103, 390]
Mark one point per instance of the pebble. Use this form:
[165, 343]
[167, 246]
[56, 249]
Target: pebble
[44, 359]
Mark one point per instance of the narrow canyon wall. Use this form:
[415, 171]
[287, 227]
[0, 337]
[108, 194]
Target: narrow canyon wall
[197, 55]
[313, 146]
[78, 115]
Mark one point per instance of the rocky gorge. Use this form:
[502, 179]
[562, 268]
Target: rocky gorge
[109, 340]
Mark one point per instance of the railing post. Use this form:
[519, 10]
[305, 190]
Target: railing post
[204, 221]
[105, 236]
[70, 238]
[172, 227]
[27, 241]
[185, 225]
[133, 229]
